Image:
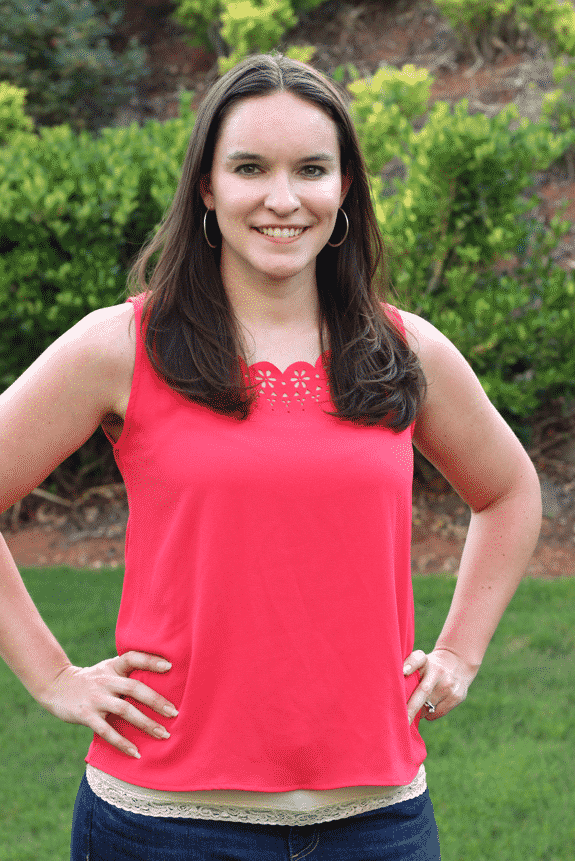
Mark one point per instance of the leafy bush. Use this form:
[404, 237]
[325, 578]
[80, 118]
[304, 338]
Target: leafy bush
[59, 51]
[459, 212]
[559, 105]
[75, 210]
[254, 26]
[551, 20]
[383, 109]
[12, 116]
[236, 28]
[197, 16]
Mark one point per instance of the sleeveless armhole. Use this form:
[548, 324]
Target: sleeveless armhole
[137, 302]
[395, 316]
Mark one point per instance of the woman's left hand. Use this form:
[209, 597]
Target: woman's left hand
[445, 680]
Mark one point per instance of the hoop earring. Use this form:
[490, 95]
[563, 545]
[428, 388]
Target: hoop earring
[337, 244]
[205, 231]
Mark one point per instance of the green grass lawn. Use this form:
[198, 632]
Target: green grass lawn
[500, 767]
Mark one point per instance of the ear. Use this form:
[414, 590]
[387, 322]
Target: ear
[206, 191]
[346, 181]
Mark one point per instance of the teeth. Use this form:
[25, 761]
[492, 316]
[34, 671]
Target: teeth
[284, 233]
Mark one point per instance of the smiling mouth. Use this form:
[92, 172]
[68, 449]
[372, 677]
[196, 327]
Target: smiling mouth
[281, 232]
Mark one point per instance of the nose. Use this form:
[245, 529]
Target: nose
[281, 197]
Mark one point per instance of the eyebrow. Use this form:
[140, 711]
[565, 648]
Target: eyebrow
[252, 156]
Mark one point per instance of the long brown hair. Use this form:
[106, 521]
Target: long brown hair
[192, 337]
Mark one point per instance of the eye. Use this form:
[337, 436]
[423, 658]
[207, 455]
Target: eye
[247, 169]
[319, 171]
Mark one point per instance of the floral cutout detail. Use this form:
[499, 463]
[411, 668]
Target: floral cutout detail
[297, 386]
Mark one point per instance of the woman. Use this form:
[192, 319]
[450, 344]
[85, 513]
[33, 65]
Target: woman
[266, 695]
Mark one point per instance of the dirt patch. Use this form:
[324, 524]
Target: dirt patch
[438, 536]
[93, 536]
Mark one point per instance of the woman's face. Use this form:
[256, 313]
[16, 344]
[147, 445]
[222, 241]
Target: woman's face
[276, 186]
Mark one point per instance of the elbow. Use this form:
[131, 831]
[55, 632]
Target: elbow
[522, 494]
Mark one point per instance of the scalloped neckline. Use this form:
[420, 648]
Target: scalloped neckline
[298, 363]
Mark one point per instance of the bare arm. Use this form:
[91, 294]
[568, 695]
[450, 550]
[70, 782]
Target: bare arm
[47, 414]
[463, 435]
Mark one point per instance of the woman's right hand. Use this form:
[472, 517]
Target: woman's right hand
[87, 695]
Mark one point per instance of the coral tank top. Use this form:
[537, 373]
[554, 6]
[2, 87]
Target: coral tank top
[269, 561]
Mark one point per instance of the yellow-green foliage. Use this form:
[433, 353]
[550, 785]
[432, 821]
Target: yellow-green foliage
[458, 212]
[559, 105]
[383, 109]
[303, 53]
[75, 209]
[246, 26]
[551, 20]
[466, 15]
[197, 16]
[253, 26]
[12, 116]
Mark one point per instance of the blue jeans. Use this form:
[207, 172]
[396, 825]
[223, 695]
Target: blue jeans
[400, 832]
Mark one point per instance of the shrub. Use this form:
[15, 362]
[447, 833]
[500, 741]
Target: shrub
[384, 108]
[12, 116]
[197, 16]
[303, 53]
[75, 210]
[459, 212]
[559, 105]
[253, 26]
[553, 21]
[59, 51]
[236, 28]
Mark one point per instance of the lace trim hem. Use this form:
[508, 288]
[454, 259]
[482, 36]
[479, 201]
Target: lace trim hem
[137, 801]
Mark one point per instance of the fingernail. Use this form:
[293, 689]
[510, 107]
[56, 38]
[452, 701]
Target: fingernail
[170, 711]
[133, 752]
[164, 665]
[407, 668]
[160, 732]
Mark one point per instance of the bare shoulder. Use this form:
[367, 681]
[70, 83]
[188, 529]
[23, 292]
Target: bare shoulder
[60, 400]
[446, 369]
[458, 428]
[107, 333]
[429, 344]
[103, 346]
[98, 347]
[451, 382]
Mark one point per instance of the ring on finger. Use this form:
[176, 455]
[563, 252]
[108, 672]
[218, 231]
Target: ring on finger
[429, 706]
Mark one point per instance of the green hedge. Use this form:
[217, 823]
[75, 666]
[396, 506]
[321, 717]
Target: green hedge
[237, 28]
[13, 118]
[464, 208]
[553, 21]
[76, 208]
